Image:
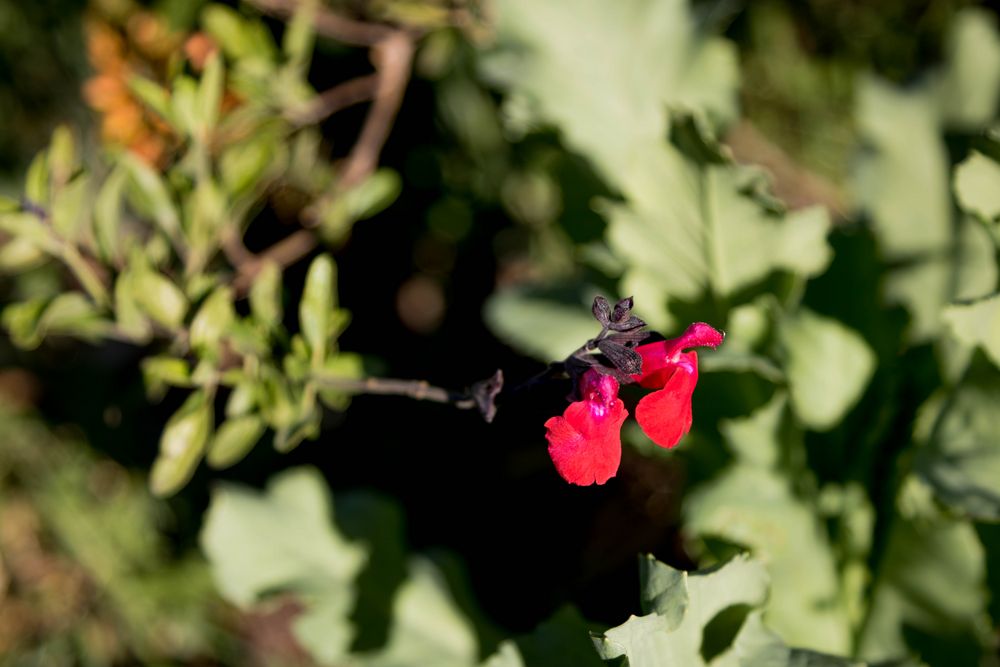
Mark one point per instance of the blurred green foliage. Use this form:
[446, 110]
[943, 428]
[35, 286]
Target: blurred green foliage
[819, 179]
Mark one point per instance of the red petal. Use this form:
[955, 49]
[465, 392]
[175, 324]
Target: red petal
[659, 359]
[665, 415]
[586, 448]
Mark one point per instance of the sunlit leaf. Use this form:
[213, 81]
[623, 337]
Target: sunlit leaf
[283, 539]
[828, 367]
[182, 445]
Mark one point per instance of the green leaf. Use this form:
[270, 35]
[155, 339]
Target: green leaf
[961, 461]
[62, 156]
[153, 95]
[243, 399]
[210, 91]
[128, 314]
[828, 367]
[971, 79]
[211, 324]
[341, 366]
[150, 195]
[316, 308]
[108, 214]
[755, 508]
[968, 271]
[159, 298]
[36, 181]
[236, 34]
[20, 254]
[977, 186]
[161, 372]
[908, 199]
[29, 227]
[657, 639]
[182, 445]
[932, 583]
[243, 164]
[364, 200]
[75, 315]
[21, 320]
[265, 296]
[427, 627]
[260, 544]
[70, 208]
[977, 323]
[300, 35]
[185, 106]
[539, 325]
[234, 439]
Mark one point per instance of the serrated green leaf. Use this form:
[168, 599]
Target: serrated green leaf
[316, 307]
[828, 367]
[265, 296]
[658, 640]
[283, 539]
[977, 186]
[212, 321]
[234, 439]
[182, 445]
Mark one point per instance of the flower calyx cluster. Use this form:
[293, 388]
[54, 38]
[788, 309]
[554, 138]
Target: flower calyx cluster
[585, 441]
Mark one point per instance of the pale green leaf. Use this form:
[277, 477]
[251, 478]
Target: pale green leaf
[265, 296]
[108, 214]
[70, 208]
[182, 445]
[153, 95]
[234, 439]
[315, 310]
[658, 639]
[212, 321]
[210, 90]
[971, 78]
[961, 461]
[902, 179]
[933, 582]
[150, 194]
[159, 297]
[977, 323]
[283, 539]
[542, 327]
[977, 186]
[828, 367]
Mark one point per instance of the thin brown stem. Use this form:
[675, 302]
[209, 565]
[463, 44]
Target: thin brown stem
[392, 57]
[285, 252]
[419, 390]
[330, 24]
[338, 98]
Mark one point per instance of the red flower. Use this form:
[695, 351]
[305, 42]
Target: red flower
[665, 415]
[585, 443]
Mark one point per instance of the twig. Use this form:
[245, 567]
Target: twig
[419, 390]
[330, 24]
[336, 99]
[392, 57]
[285, 252]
